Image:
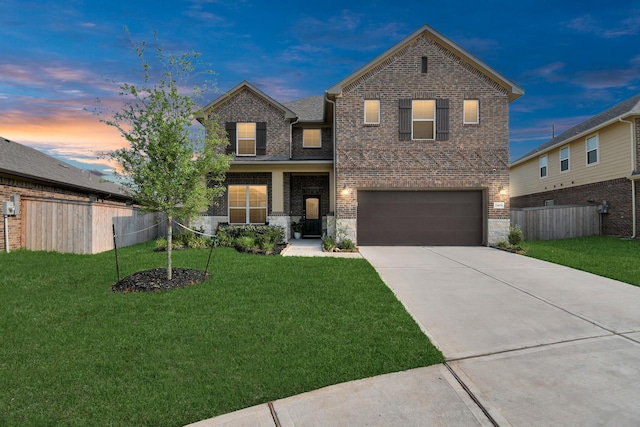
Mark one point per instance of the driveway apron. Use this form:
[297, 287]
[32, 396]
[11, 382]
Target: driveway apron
[534, 343]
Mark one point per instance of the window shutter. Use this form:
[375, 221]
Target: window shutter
[425, 63]
[261, 139]
[230, 127]
[442, 119]
[404, 126]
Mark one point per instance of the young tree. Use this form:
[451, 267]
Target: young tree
[167, 167]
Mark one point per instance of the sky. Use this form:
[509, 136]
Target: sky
[573, 59]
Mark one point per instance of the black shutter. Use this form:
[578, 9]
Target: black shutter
[404, 125]
[261, 139]
[230, 127]
[425, 63]
[442, 119]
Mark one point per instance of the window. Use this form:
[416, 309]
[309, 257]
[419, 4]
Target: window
[543, 161]
[425, 64]
[372, 111]
[471, 112]
[311, 138]
[423, 116]
[564, 159]
[247, 204]
[592, 150]
[246, 134]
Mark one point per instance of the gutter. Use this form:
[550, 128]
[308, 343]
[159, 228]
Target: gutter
[335, 159]
[633, 181]
[291, 137]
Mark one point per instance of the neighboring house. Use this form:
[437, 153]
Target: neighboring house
[60, 207]
[411, 149]
[595, 162]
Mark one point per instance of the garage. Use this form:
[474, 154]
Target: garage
[420, 218]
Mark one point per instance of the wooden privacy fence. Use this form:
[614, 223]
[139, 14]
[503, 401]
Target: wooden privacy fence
[83, 227]
[557, 222]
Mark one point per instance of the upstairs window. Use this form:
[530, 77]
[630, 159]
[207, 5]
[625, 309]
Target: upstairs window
[471, 112]
[247, 204]
[423, 119]
[543, 163]
[564, 159]
[592, 150]
[311, 138]
[372, 111]
[246, 139]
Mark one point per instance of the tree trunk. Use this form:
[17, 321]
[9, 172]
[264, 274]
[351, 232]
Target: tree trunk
[169, 244]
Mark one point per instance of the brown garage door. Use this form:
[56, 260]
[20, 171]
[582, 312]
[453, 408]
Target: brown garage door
[412, 218]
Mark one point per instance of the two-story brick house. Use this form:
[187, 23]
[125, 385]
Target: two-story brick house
[411, 149]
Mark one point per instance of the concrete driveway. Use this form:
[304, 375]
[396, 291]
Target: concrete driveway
[533, 342]
[527, 343]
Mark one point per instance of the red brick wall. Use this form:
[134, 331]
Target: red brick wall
[373, 156]
[618, 222]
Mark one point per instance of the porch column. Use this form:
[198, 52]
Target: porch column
[277, 191]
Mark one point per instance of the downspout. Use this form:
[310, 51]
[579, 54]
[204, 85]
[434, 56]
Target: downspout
[291, 138]
[335, 157]
[633, 181]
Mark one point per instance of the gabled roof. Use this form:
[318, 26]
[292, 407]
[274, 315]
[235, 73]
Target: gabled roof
[28, 163]
[514, 90]
[288, 114]
[309, 109]
[624, 109]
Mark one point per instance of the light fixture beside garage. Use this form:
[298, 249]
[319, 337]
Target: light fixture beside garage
[502, 190]
[345, 191]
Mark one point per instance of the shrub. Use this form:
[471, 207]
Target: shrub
[346, 244]
[328, 244]
[515, 236]
[251, 238]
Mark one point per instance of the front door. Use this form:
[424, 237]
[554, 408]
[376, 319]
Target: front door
[313, 219]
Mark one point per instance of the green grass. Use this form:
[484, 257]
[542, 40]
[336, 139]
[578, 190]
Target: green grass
[262, 328]
[611, 257]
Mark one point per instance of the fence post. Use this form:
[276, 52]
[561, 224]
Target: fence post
[115, 250]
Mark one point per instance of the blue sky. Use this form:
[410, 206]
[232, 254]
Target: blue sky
[573, 59]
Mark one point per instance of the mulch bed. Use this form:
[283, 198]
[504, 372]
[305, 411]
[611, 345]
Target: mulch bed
[156, 280]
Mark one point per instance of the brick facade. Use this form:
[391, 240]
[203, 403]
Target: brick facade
[617, 192]
[374, 157]
[247, 106]
[221, 205]
[309, 185]
[325, 152]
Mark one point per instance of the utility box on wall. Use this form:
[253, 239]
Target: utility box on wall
[12, 207]
[8, 208]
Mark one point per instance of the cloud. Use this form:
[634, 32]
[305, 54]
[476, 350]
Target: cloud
[279, 89]
[628, 26]
[550, 72]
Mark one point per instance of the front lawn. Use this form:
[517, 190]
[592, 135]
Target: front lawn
[606, 256]
[262, 328]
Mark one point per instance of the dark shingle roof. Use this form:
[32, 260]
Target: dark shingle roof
[627, 107]
[309, 109]
[26, 162]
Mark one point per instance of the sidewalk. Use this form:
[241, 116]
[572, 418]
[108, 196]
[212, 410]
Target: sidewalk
[313, 247]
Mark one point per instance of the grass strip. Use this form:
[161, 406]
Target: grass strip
[262, 328]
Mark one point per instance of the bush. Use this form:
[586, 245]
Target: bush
[346, 244]
[515, 237]
[251, 238]
[329, 244]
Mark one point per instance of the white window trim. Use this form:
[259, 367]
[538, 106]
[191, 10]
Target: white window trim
[304, 145]
[413, 120]
[546, 166]
[464, 115]
[597, 149]
[255, 140]
[247, 207]
[365, 112]
[568, 159]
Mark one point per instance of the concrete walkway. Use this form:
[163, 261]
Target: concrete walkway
[527, 343]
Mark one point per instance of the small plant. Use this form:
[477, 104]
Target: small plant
[515, 236]
[329, 244]
[346, 244]
[298, 226]
[160, 245]
[251, 238]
